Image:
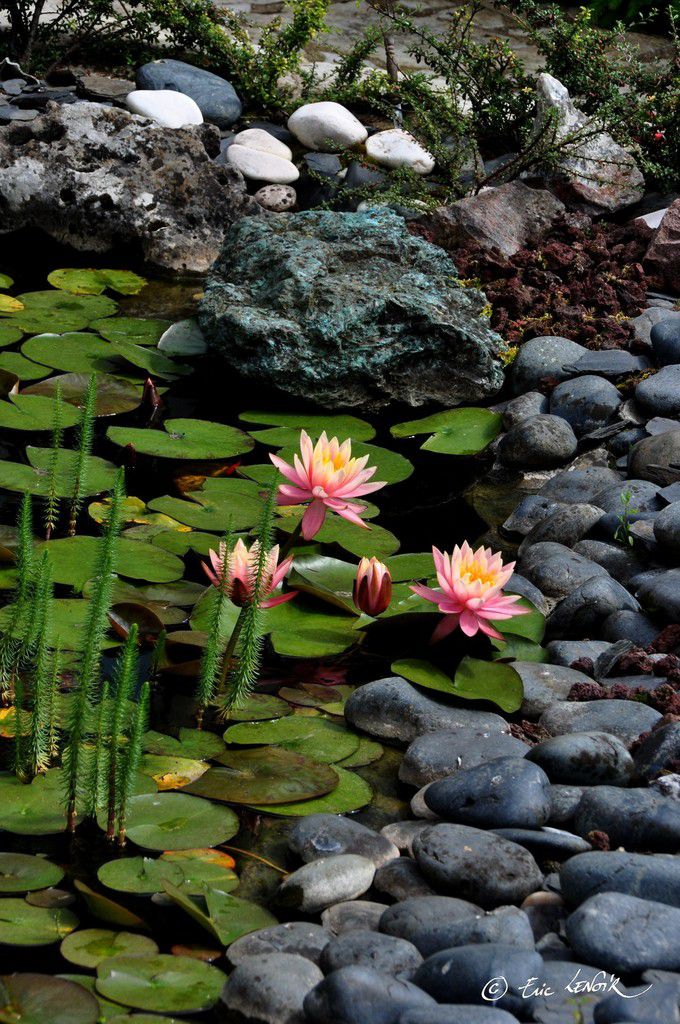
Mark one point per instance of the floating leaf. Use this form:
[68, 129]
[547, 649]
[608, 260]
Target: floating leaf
[161, 983]
[24, 925]
[108, 910]
[474, 680]
[351, 793]
[177, 821]
[142, 876]
[300, 630]
[516, 648]
[410, 567]
[358, 540]
[74, 560]
[133, 510]
[265, 776]
[327, 578]
[108, 1011]
[30, 810]
[129, 328]
[126, 614]
[316, 738]
[91, 946]
[68, 625]
[228, 918]
[9, 334]
[35, 479]
[184, 439]
[184, 338]
[94, 282]
[169, 772]
[29, 998]
[219, 500]
[423, 673]
[8, 304]
[367, 752]
[531, 626]
[24, 369]
[6, 281]
[259, 707]
[20, 872]
[201, 868]
[193, 743]
[180, 542]
[58, 311]
[342, 427]
[34, 412]
[73, 353]
[454, 431]
[114, 394]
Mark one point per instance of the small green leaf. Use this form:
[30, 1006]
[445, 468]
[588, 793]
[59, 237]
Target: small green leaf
[489, 680]
[184, 439]
[455, 431]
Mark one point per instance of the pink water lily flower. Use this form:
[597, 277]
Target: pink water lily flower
[471, 583]
[372, 590]
[326, 476]
[240, 566]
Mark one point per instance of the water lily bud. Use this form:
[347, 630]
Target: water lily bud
[372, 587]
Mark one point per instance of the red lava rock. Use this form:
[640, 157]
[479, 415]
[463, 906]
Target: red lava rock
[667, 642]
[585, 665]
[598, 840]
[635, 663]
[587, 691]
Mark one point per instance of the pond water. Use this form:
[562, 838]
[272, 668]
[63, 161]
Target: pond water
[426, 506]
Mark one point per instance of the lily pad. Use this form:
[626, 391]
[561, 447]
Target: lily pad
[342, 427]
[72, 353]
[374, 540]
[108, 910]
[29, 998]
[184, 439]
[128, 328]
[115, 395]
[367, 752]
[351, 793]
[91, 946]
[170, 772]
[142, 876]
[455, 431]
[228, 917]
[108, 1012]
[531, 626]
[179, 543]
[474, 680]
[20, 872]
[6, 281]
[316, 738]
[69, 618]
[93, 282]
[34, 412]
[74, 560]
[259, 707]
[177, 821]
[23, 368]
[125, 615]
[55, 310]
[329, 579]
[182, 593]
[219, 500]
[9, 334]
[30, 810]
[192, 743]
[24, 925]
[161, 983]
[203, 868]
[301, 630]
[265, 775]
[184, 338]
[410, 567]
[8, 304]
[100, 475]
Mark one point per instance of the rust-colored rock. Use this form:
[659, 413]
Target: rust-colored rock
[662, 259]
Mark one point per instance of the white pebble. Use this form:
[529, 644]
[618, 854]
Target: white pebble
[164, 106]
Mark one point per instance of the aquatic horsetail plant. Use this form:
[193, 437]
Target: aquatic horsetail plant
[12, 640]
[40, 747]
[124, 679]
[133, 757]
[213, 654]
[89, 690]
[28, 756]
[52, 502]
[84, 450]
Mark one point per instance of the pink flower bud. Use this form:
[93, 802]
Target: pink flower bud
[372, 587]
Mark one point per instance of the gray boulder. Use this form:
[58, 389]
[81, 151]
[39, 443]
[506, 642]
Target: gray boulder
[539, 442]
[625, 934]
[215, 97]
[363, 312]
[270, 988]
[548, 357]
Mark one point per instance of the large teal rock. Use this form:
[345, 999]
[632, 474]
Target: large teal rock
[348, 309]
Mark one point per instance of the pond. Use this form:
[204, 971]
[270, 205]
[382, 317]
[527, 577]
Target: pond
[197, 871]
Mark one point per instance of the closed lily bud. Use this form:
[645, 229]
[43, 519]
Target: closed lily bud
[372, 587]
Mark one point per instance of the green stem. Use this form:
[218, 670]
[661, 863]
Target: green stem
[230, 648]
[293, 538]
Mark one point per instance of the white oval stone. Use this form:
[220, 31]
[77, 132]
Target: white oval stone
[326, 127]
[277, 198]
[262, 166]
[263, 142]
[397, 148]
[165, 106]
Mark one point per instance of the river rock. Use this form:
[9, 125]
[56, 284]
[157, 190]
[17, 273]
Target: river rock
[539, 442]
[396, 147]
[637, 819]
[633, 626]
[649, 877]
[547, 357]
[385, 953]
[421, 919]
[625, 934]
[566, 652]
[342, 340]
[611, 362]
[580, 485]
[532, 509]
[667, 528]
[563, 572]
[276, 198]
[584, 610]
[402, 833]
[299, 937]
[564, 801]
[352, 916]
[657, 1004]
[661, 594]
[662, 257]
[653, 458]
[545, 843]
[325, 835]
[394, 709]
[458, 1014]
[476, 865]
[586, 403]
[505, 924]
[167, 108]
[154, 188]
[264, 142]
[438, 754]
[660, 752]
[361, 995]
[593, 173]
[665, 339]
[659, 394]
[508, 791]
[260, 166]
[568, 988]
[401, 879]
[468, 974]
[566, 525]
[326, 126]
[216, 98]
[321, 883]
[622, 718]
[584, 759]
[621, 563]
[270, 988]
[533, 403]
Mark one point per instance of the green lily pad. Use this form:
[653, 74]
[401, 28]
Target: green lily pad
[30, 810]
[24, 925]
[192, 743]
[142, 876]
[72, 353]
[342, 427]
[34, 412]
[29, 998]
[184, 439]
[169, 772]
[100, 475]
[410, 567]
[531, 626]
[219, 500]
[94, 282]
[20, 872]
[177, 821]
[516, 648]
[180, 543]
[91, 946]
[115, 395]
[301, 630]
[108, 1011]
[105, 909]
[356, 539]
[69, 619]
[149, 359]
[74, 560]
[228, 917]
[130, 328]
[351, 793]
[327, 578]
[454, 431]
[9, 334]
[184, 338]
[265, 775]
[55, 310]
[367, 752]
[316, 738]
[203, 868]
[6, 281]
[474, 680]
[182, 593]
[259, 707]
[161, 983]
[24, 369]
